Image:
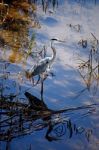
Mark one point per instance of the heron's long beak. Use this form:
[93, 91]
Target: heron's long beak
[54, 39]
[61, 41]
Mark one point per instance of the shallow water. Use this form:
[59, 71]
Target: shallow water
[72, 86]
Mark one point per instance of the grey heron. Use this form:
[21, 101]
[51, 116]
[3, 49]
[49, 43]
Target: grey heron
[43, 66]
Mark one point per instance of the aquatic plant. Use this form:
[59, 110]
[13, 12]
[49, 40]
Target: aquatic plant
[89, 69]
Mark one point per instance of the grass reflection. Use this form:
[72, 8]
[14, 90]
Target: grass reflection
[18, 119]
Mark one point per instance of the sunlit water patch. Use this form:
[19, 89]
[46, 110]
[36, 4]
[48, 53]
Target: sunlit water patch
[60, 112]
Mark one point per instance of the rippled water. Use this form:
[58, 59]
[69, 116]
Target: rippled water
[66, 115]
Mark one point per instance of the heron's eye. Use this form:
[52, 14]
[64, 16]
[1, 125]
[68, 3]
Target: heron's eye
[47, 62]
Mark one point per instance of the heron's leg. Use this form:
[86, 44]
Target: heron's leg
[37, 82]
[42, 88]
[32, 79]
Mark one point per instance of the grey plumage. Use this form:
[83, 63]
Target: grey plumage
[43, 65]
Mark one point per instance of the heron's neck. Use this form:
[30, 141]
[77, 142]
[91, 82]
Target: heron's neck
[54, 53]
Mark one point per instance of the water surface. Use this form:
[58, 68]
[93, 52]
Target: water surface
[72, 86]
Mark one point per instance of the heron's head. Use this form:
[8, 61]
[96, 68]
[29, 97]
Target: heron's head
[56, 40]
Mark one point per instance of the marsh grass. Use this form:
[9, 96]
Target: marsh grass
[89, 69]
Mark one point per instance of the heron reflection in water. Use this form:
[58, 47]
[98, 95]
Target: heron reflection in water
[42, 68]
